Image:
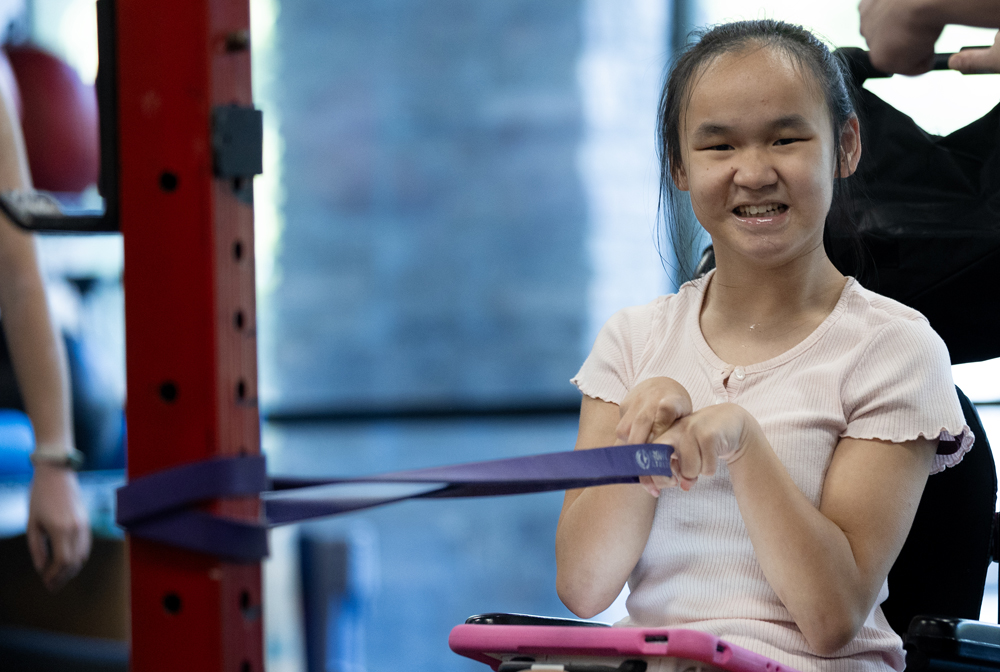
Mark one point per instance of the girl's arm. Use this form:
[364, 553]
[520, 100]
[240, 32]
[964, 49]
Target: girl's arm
[603, 531]
[58, 532]
[826, 565]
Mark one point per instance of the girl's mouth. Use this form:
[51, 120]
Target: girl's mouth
[760, 211]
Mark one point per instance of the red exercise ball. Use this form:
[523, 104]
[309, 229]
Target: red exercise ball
[59, 118]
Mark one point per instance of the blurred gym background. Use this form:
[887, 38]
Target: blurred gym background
[457, 194]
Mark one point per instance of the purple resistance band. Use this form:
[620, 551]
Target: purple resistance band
[164, 506]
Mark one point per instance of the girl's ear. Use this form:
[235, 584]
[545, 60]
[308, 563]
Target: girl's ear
[680, 177]
[850, 147]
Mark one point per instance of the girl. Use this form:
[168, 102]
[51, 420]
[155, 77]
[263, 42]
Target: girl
[805, 411]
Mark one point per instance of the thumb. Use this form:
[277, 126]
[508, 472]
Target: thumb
[976, 61]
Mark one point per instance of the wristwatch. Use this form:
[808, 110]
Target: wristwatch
[72, 459]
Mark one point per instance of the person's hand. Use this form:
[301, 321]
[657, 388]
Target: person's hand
[700, 440]
[900, 36]
[977, 61]
[58, 529]
[650, 408]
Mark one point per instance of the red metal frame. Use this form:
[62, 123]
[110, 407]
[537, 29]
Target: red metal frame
[189, 316]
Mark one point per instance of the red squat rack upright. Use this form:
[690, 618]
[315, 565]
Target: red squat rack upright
[186, 214]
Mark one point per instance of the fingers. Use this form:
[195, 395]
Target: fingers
[685, 464]
[650, 409]
[977, 61]
[58, 529]
[655, 484]
[900, 38]
[702, 439]
[57, 555]
[70, 547]
[641, 424]
[38, 547]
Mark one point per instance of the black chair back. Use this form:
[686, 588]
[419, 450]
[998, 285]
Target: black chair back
[942, 567]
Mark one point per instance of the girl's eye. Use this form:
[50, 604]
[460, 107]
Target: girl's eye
[787, 141]
[719, 148]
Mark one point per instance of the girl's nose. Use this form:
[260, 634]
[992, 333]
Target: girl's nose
[752, 170]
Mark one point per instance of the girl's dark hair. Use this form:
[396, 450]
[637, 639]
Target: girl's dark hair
[808, 52]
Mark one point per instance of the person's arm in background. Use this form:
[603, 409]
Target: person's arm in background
[901, 33]
[58, 529]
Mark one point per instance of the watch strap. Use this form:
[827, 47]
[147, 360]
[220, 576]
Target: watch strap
[72, 459]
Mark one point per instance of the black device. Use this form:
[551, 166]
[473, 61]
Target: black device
[527, 619]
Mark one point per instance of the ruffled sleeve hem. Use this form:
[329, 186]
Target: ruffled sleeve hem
[951, 447]
[594, 392]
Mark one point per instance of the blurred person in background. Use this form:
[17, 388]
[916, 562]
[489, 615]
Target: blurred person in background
[58, 530]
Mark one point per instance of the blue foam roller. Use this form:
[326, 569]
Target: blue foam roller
[17, 440]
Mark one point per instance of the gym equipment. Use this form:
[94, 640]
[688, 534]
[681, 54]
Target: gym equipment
[59, 119]
[164, 506]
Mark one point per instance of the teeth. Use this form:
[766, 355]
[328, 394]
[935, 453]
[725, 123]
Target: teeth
[752, 210]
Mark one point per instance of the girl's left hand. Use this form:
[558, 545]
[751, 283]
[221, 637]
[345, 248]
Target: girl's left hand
[700, 440]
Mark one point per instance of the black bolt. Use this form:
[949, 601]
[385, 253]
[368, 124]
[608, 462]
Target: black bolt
[238, 40]
[241, 390]
[238, 250]
[238, 319]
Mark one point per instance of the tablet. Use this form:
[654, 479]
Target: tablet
[517, 648]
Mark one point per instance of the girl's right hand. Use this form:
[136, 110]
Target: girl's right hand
[650, 408]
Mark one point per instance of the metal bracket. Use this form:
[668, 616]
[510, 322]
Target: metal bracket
[238, 147]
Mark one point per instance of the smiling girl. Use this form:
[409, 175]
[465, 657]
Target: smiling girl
[805, 411]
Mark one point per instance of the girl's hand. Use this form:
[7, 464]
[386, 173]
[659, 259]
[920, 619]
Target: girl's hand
[58, 530]
[700, 440]
[650, 408]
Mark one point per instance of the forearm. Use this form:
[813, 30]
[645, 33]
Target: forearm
[602, 533]
[36, 352]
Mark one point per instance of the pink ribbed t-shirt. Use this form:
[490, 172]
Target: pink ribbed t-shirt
[873, 369]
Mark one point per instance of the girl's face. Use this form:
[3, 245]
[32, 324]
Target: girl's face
[758, 157]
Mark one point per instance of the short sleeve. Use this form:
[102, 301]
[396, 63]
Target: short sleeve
[901, 389]
[608, 373]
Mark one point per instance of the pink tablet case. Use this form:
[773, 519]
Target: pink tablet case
[491, 643]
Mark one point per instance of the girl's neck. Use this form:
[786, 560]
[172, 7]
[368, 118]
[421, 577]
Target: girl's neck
[751, 314]
[737, 290]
